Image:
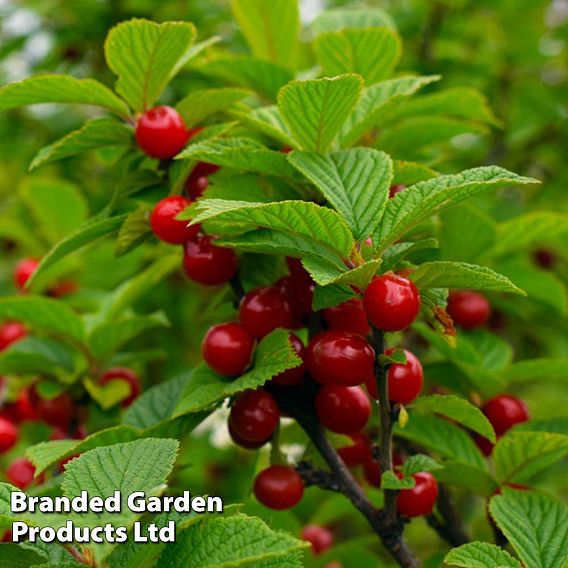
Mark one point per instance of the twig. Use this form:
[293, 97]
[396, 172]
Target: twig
[313, 476]
[454, 530]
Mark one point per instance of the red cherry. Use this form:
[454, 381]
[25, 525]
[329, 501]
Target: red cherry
[340, 358]
[8, 435]
[7, 536]
[278, 487]
[10, 332]
[126, 375]
[24, 405]
[405, 380]
[63, 288]
[293, 376]
[545, 258]
[296, 268]
[333, 565]
[21, 473]
[348, 316]
[209, 264]
[263, 310]
[343, 410]
[24, 270]
[161, 132]
[392, 302]
[198, 180]
[421, 498]
[58, 411]
[396, 189]
[254, 416]
[504, 411]
[468, 309]
[372, 470]
[321, 538]
[484, 445]
[165, 225]
[299, 294]
[358, 452]
[227, 349]
[240, 441]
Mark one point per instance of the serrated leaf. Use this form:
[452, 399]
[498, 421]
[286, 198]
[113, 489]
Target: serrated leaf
[481, 555]
[399, 251]
[373, 53]
[355, 182]
[203, 103]
[60, 89]
[7, 517]
[273, 355]
[134, 230]
[146, 56]
[98, 133]
[267, 121]
[375, 100]
[341, 18]
[330, 296]
[424, 199]
[300, 217]
[557, 425]
[519, 456]
[315, 110]
[473, 478]
[325, 273]
[409, 173]
[270, 28]
[535, 525]
[419, 462]
[389, 480]
[536, 370]
[16, 556]
[44, 314]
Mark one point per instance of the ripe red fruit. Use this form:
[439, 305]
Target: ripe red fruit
[278, 487]
[299, 292]
[545, 258]
[62, 289]
[227, 349]
[8, 435]
[10, 332]
[254, 416]
[372, 470]
[421, 498]
[404, 380]
[209, 264]
[468, 309]
[161, 132]
[21, 473]
[24, 405]
[58, 411]
[395, 189]
[356, 453]
[504, 411]
[343, 410]
[321, 538]
[484, 445]
[264, 309]
[24, 270]
[198, 181]
[240, 441]
[348, 316]
[165, 225]
[293, 376]
[340, 358]
[126, 375]
[392, 302]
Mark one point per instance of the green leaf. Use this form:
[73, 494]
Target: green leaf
[389, 480]
[481, 555]
[371, 52]
[270, 28]
[98, 133]
[325, 273]
[203, 103]
[473, 478]
[409, 173]
[267, 121]
[536, 370]
[107, 395]
[519, 456]
[440, 436]
[146, 56]
[341, 18]
[16, 556]
[535, 525]
[399, 251]
[44, 314]
[355, 182]
[496, 353]
[273, 355]
[419, 462]
[557, 425]
[236, 540]
[447, 274]
[134, 231]
[419, 202]
[296, 217]
[330, 296]
[60, 89]
[457, 409]
[7, 517]
[315, 110]
[375, 100]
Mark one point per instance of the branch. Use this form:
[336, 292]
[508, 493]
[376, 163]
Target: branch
[313, 476]
[454, 530]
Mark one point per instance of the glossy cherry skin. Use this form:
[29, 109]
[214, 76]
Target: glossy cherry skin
[348, 316]
[392, 302]
[21, 473]
[484, 445]
[240, 441]
[161, 132]
[405, 381]
[343, 410]
[254, 416]
[356, 453]
[126, 375]
[165, 225]
[24, 270]
[279, 487]
[340, 358]
[198, 180]
[468, 309]
[208, 264]
[227, 348]
[10, 332]
[321, 538]
[25, 407]
[396, 189]
[419, 500]
[372, 470]
[296, 375]
[8, 435]
[504, 411]
[264, 309]
[58, 411]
